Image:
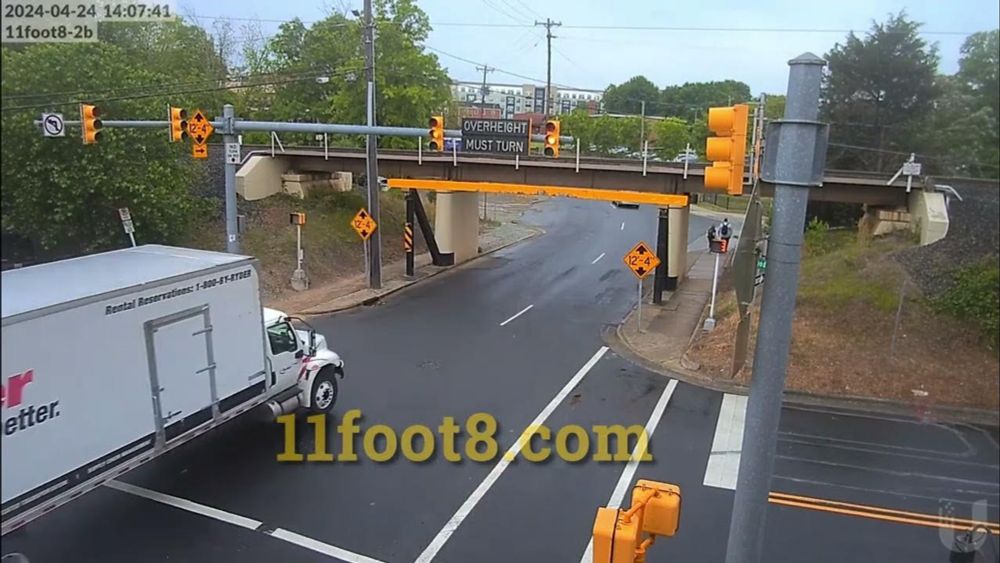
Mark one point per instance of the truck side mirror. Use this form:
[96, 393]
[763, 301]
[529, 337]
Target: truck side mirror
[312, 342]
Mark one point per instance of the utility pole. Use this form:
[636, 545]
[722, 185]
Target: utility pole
[482, 112]
[642, 126]
[800, 150]
[484, 90]
[371, 149]
[549, 24]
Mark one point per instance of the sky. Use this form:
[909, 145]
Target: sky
[585, 55]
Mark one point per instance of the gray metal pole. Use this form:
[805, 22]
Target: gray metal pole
[794, 160]
[374, 243]
[642, 129]
[232, 229]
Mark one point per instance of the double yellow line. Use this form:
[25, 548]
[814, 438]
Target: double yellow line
[879, 513]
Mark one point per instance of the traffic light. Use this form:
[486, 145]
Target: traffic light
[615, 537]
[661, 516]
[297, 218]
[90, 123]
[178, 124]
[728, 150]
[436, 133]
[552, 138]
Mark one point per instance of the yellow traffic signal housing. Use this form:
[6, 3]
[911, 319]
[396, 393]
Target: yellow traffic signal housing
[436, 133]
[728, 150]
[615, 540]
[662, 514]
[90, 123]
[178, 124]
[552, 138]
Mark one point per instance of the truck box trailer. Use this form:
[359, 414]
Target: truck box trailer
[111, 359]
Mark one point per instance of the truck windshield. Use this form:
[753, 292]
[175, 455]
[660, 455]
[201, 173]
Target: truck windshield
[282, 338]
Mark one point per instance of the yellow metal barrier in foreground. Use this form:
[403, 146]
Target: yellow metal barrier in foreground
[627, 196]
[655, 510]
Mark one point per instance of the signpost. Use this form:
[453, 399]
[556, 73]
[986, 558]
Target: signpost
[363, 224]
[643, 262]
[300, 281]
[504, 136]
[126, 217]
[717, 244]
[53, 125]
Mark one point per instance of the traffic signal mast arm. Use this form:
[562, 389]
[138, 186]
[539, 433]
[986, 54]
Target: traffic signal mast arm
[240, 126]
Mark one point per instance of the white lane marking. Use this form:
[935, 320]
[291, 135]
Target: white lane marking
[241, 521]
[598, 258]
[628, 473]
[518, 314]
[623, 226]
[463, 511]
[724, 461]
[320, 547]
[184, 504]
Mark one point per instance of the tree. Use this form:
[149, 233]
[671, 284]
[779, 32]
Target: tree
[601, 134]
[977, 81]
[59, 196]
[692, 99]
[627, 97]
[412, 85]
[671, 136]
[877, 91]
[774, 107]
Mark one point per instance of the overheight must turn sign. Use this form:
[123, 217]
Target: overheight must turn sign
[641, 260]
[503, 136]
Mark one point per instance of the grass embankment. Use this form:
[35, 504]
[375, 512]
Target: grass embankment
[842, 340]
[332, 249]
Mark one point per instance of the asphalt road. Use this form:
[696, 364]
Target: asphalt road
[518, 335]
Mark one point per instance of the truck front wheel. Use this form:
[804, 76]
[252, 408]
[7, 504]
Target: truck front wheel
[324, 391]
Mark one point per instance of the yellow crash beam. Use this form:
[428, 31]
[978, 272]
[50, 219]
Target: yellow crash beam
[627, 196]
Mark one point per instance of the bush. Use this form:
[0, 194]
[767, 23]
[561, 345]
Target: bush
[975, 297]
[817, 239]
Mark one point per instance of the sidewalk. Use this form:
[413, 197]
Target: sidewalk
[352, 291]
[666, 330]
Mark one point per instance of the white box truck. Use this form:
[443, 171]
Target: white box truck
[111, 359]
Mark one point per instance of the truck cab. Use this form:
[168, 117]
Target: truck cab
[299, 359]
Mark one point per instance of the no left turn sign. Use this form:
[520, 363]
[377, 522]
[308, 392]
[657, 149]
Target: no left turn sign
[53, 125]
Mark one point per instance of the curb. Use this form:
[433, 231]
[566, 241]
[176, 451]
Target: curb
[376, 298]
[617, 341]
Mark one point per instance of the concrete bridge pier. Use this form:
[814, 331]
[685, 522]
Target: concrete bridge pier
[677, 244]
[456, 224]
[925, 214]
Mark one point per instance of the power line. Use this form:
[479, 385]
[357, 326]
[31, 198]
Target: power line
[742, 29]
[529, 8]
[502, 71]
[623, 27]
[108, 91]
[498, 10]
[170, 93]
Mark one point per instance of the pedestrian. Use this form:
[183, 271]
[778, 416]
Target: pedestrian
[711, 233]
[725, 231]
